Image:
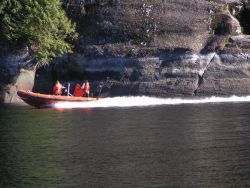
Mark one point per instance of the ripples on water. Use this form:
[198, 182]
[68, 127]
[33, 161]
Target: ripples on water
[185, 145]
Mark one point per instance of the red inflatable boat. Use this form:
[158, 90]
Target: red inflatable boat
[43, 100]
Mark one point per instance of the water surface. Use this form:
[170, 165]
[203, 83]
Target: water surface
[187, 145]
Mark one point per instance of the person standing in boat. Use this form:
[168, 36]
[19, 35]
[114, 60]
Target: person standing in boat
[78, 92]
[86, 88]
[58, 88]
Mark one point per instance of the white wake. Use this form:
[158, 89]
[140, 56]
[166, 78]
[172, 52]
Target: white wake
[147, 101]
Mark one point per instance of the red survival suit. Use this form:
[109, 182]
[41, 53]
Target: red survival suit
[58, 88]
[78, 91]
[86, 88]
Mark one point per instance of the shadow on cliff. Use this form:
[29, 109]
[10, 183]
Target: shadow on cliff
[215, 44]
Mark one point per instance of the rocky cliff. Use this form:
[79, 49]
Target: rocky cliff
[16, 72]
[161, 48]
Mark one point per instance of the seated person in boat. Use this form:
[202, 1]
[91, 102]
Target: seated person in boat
[78, 92]
[86, 88]
[58, 88]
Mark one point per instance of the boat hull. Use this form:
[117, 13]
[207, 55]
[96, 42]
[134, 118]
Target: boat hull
[43, 100]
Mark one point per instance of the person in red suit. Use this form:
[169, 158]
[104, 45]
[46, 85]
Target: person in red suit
[58, 88]
[86, 88]
[78, 92]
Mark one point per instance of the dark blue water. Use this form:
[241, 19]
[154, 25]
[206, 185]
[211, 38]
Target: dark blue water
[202, 145]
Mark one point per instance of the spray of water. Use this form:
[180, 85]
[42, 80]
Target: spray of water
[147, 101]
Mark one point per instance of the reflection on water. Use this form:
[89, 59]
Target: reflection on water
[202, 145]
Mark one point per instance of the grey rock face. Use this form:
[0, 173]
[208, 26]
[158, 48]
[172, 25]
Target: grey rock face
[163, 48]
[16, 73]
[227, 74]
[175, 74]
[160, 24]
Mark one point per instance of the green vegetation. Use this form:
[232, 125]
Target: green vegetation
[42, 25]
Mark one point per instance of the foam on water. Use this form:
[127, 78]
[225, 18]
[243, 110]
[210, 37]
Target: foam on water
[147, 101]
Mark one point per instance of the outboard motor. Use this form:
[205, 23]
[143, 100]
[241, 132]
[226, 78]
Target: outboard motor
[99, 89]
